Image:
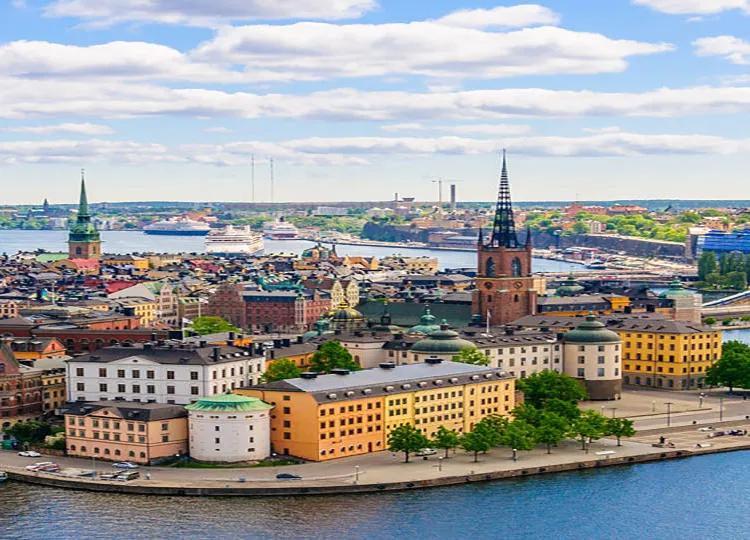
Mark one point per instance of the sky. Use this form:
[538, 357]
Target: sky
[362, 99]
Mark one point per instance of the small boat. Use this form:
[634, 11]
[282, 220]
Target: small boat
[3, 476]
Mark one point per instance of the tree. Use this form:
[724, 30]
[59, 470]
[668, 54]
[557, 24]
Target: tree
[566, 409]
[332, 355]
[472, 356]
[446, 439]
[492, 427]
[545, 385]
[590, 426]
[29, 431]
[281, 369]
[212, 325]
[707, 265]
[620, 427]
[518, 435]
[476, 441]
[551, 429]
[528, 413]
[732, 369]
[709, 321]
[407, 439]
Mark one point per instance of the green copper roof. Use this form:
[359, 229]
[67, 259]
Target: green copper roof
[82, 229]
[427, 324]
[442, 341]
[591, 331]
[229, 403]
[675, 289]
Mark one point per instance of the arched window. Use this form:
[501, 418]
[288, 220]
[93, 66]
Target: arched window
[516, 267]
[490, 268]
[516, 298]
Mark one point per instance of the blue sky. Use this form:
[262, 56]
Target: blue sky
[358, 99]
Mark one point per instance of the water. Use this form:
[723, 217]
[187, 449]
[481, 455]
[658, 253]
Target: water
[699, 498]
[741, 335]
[12, 241]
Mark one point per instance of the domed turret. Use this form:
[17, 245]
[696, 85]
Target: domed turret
[443, 342]
[591, 331]
[427, 324]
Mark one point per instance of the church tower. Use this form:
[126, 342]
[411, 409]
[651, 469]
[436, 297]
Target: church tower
[505, 287]
[84, 241]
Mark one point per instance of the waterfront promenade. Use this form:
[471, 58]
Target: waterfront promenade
[385, 471]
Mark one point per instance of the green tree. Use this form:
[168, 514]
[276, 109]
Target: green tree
[281, 369]
[528, 413]
[476, 441]
[472, 356]
[492, 428]
[547, 384]
[332, 355]
[567, 409]
[707, 265]
[519, 435]
[709, 321]
[590, 426]
[407, 439]
[620, 427]
[212, 325]
[552, 429]
[446, 439]
[29, 431]
[732, 369]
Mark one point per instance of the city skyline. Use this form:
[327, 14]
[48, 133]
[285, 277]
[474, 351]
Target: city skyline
[358, 99]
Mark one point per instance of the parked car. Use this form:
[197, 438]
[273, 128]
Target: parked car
[125, 465]
[288, 476]
[424, 452]
[108, 476]
[126, 476]
[29, 453]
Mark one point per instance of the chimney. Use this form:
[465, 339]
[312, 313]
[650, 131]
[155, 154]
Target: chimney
[309, 375]
[203, 343]
[339, 371]
[453, 197]
[434, 361]
[286, 342]
[387, 365]
[216, 354]
[232, 336]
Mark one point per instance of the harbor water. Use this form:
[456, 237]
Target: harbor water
[698, 498]
[13, 241]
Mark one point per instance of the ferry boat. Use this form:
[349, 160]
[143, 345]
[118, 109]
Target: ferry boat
[178, 227]
[3, 476]
[280, 230]
[234, 241]
[597, 264]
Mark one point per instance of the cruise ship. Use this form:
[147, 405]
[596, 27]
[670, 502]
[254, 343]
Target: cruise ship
[234, 241]
[280, 230]
[178, 227]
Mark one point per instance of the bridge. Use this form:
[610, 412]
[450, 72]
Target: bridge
[732, 306]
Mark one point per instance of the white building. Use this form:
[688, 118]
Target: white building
[229, 428]
[169, 372]
[593, 355]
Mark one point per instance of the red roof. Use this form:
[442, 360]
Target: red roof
[86, 264]
[119, 285]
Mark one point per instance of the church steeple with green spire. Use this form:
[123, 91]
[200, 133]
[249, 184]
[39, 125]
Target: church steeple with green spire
[84, 241]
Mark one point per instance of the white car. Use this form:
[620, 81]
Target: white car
[39, 466]
[29, 453]
[125, 465]
[424, 452]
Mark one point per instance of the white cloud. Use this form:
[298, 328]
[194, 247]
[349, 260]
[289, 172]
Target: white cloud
[79, 128]
[309, 50]
[695, 7]
[336, 151]
[730, 48]
[218, 129]
[204, 13]
[479, 129]
[501, 17]
[108, 99]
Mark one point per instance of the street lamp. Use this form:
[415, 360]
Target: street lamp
[613, 411]
[700, 400]
[653, 406]
[721, 409]
[515, 454]
[669, 412]
[356, 474]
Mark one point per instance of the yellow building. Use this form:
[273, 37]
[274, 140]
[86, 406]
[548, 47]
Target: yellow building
[143, 308]
[322, 417]
[139, 264]
[667, 354]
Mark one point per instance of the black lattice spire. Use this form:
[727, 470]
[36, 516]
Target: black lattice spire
[504, 228]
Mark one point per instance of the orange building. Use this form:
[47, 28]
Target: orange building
[322, 417]
[143, 433]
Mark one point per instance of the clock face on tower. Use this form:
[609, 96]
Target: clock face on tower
[518, 284]
[488, 286]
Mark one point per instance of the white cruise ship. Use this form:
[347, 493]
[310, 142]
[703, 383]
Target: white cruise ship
[280, 230]
[182, 226]
[234, 241]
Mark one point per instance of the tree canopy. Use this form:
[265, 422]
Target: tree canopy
[733, 368]
[332, 355]
[547, 385]
[281, 369]
[518, 435]
[551, 429]
[29, 431]
[620, 427]
[407, 439]
[472, 356]
[589, 426]
[212, 325]
[446, 439]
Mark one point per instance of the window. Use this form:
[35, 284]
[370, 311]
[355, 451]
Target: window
[193, 375]
[136, 388]
[121, 373]
[121, 388]
[150, 374]
[170, 389]
[170, 375]
[600, 372]
[102, 372]
[79, 372]
[102, 387]
[80, 387]
[165, 438]
[194, 390]
[164, 427]
[600, 360]
[581, 372]
[136, 374]
[150, 389]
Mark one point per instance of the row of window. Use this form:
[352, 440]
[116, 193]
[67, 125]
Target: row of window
[106, 452]
[660, 369]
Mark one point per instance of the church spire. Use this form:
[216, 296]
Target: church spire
[83, 204]
[503, 227]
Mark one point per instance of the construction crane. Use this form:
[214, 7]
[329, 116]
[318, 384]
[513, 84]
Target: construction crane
[439, 182]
